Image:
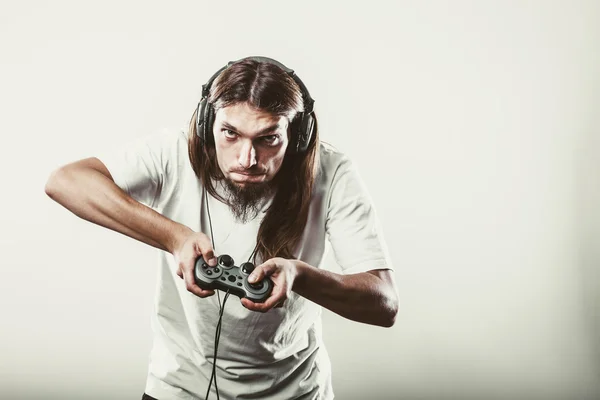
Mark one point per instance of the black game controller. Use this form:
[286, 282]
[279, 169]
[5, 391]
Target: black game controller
[228, 276]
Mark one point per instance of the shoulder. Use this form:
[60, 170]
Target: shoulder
[166, 139]
[331, 159]
[333, 164]
[339, 177]
[168, 145]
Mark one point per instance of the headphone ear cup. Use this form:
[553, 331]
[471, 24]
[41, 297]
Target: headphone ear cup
[200, 120]
[305, 132]
[205, 118]
[209, 115]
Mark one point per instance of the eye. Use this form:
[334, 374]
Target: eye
[229, 134]
[270, 139]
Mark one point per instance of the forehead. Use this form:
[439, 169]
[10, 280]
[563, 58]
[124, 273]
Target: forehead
[247, 117]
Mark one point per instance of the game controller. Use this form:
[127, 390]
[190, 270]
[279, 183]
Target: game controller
[228, 276]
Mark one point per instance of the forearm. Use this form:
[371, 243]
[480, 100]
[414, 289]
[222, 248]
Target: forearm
[91, 195]
[360, 297]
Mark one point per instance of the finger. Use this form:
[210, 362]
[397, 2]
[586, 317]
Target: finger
[277, 296]
[263, 270]
[252, 306]
[190, 283]
[203, 247]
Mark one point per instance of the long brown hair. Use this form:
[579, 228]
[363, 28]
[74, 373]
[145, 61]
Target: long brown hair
[268, 88]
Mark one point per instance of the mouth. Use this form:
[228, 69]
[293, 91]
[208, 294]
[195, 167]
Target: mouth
[246, 176]
[248, 173]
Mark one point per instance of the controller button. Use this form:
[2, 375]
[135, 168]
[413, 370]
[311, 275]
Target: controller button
[231, 278]
[222, 278]
[204, 266]
[239, 277]
[226, 260]
[247, 268]
[217, 270]
[208, 272]
[239, 283]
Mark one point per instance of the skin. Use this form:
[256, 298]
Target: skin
[250, 143]
[246, 155]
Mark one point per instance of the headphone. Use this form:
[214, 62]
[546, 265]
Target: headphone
[302, 128]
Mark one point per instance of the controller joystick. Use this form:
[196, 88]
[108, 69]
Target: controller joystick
[247, 268]
[227, 276]
[226, 261]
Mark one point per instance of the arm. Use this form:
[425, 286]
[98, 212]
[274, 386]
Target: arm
[87, 189]
[369, 297]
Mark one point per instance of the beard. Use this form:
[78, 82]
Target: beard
[245, 202]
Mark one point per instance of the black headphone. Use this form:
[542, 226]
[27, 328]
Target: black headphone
[303, 125]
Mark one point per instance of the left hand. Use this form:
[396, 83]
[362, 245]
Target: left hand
[282, 273]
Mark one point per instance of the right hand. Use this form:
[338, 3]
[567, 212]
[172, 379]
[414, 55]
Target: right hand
[195, 245]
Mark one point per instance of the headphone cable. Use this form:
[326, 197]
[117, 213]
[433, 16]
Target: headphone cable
[213, 375]
[253, 251]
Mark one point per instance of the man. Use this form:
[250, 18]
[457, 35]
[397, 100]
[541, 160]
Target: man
[249, 179]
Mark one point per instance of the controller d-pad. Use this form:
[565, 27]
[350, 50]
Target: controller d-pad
[231, 278]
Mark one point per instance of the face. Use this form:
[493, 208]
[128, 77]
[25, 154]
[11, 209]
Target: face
[250, 144]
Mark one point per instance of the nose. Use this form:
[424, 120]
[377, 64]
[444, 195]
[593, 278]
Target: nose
[247, 157]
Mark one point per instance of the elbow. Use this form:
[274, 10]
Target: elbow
[389, 311]
[58, 184]
[51, 187]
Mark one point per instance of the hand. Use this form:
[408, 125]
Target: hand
[195, 245]
[283, 273]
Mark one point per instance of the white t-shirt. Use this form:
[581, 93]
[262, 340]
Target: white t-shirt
[274, 355]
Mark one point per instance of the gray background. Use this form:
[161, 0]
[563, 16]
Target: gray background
[473, 124]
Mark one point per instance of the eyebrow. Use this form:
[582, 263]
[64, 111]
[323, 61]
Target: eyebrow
[267, 130]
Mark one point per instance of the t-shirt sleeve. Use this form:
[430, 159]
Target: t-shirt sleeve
[352, 225]
[140, 167]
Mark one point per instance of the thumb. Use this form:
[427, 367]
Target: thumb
[202, 247]
[265, 269]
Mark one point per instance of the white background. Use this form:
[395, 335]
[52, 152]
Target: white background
[473, 124]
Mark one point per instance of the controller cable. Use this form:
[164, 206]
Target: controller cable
[213, 375]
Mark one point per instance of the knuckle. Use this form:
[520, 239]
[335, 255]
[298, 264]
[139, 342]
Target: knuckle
[204, 241]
